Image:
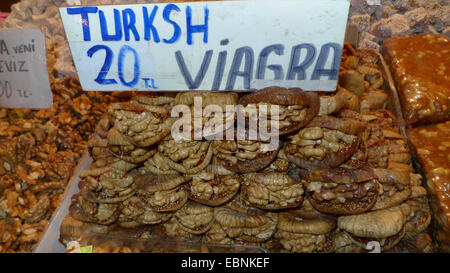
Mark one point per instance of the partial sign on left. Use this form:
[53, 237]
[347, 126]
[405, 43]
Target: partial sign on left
[24, 81]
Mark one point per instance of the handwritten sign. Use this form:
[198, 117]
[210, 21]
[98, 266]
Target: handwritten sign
[220, 45]
[24, 79]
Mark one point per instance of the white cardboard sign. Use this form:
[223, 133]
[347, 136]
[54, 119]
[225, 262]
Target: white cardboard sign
[219, 45]
[24, 81]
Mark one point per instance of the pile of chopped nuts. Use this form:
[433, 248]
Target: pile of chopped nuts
[299, 196]
[39, 150]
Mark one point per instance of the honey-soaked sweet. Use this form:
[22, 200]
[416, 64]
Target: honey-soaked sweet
[432, 146]
[420, 65]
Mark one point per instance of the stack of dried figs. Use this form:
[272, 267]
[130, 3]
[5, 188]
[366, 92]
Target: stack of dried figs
[337, 180]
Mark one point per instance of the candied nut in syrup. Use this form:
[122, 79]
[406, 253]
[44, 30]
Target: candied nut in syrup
[38, 208]
[341, 190]
[9, 204]
[30, 235]
[163, 193]
[43, 148]
[142, 124]
[424, 99]
[271, 191]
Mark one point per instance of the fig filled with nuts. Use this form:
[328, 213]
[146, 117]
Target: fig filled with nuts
[296, 107]
[163, 193]
[341, 190]
[271, 191]
[325, 142]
